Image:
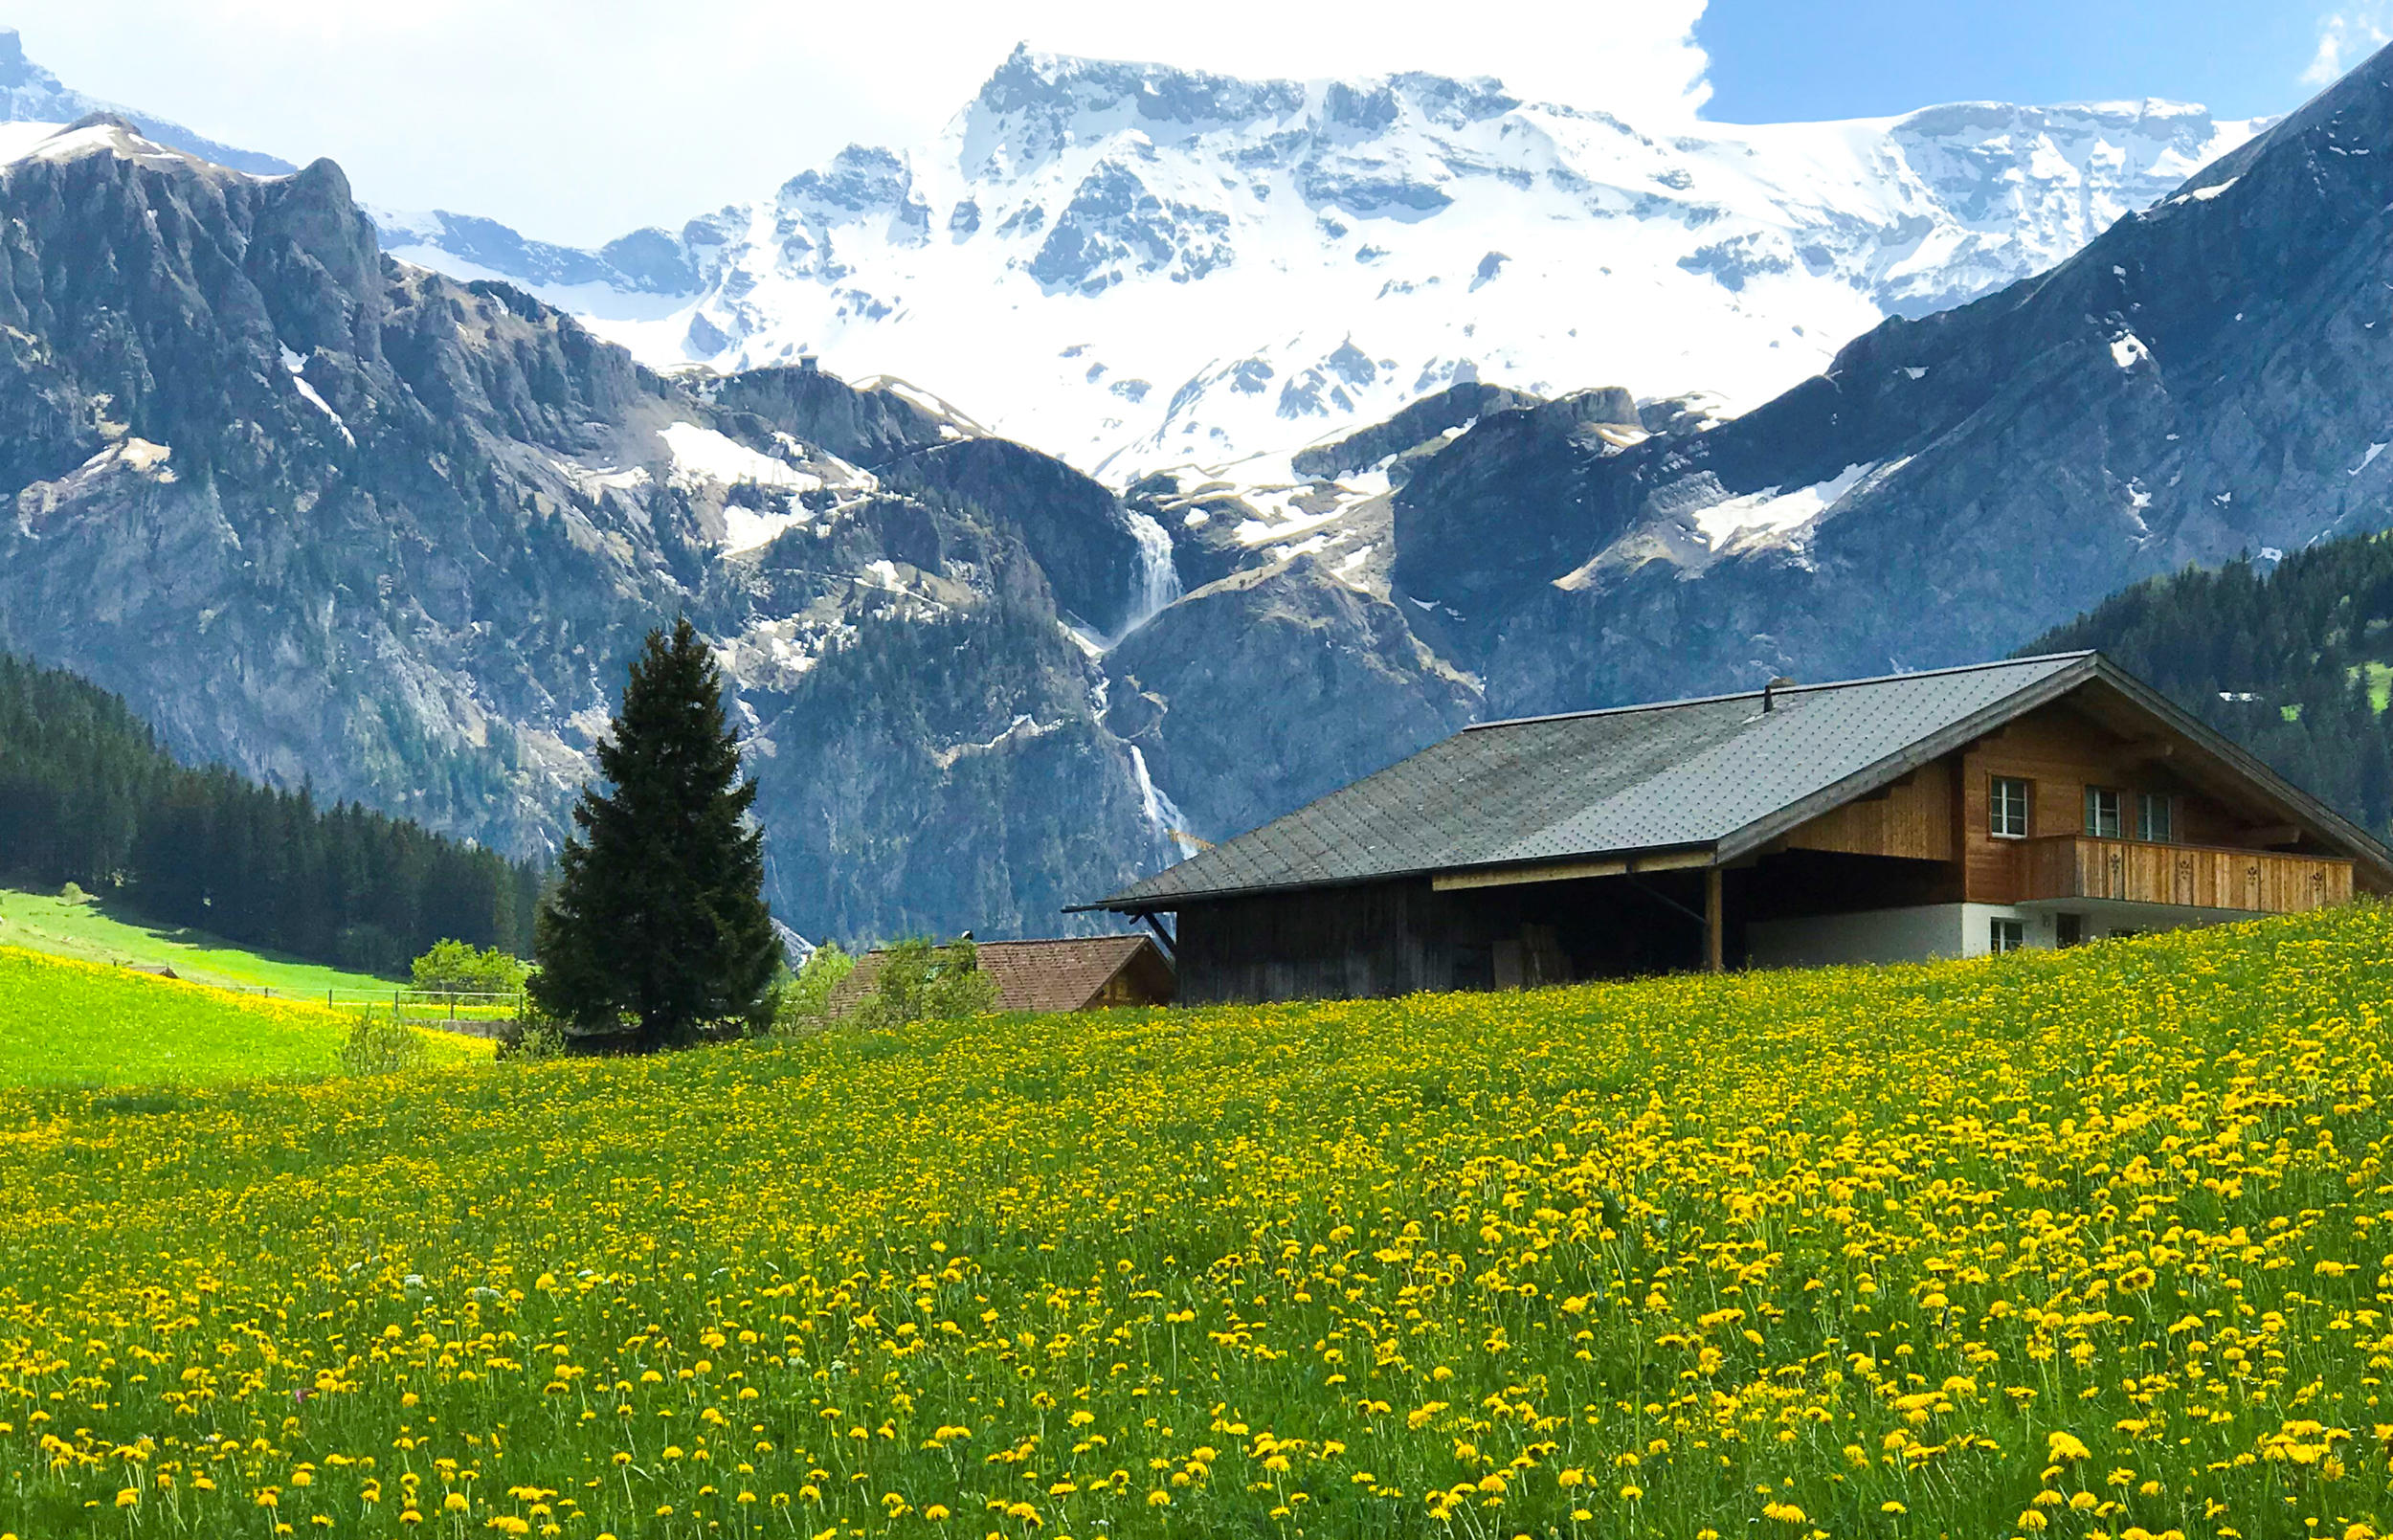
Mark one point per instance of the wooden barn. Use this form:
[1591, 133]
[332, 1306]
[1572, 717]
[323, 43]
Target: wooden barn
[1070, 973]
[2038, 802]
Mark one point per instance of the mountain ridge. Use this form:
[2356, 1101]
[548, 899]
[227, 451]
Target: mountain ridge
[2201, 379]
[29, 93]
[1182, 268]
[322, 515]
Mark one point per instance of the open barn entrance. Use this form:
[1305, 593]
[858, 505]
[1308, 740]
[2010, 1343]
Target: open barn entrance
[1632, 924]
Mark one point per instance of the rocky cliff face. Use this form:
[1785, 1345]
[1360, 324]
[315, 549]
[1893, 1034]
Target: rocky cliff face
[327, 516]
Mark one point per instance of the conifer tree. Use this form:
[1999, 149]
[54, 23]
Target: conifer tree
[658, 924]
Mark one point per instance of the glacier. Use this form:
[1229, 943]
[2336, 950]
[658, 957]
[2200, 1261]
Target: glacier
[1140, 267]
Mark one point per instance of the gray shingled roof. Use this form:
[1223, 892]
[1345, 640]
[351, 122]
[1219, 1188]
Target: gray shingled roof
[1688, 774]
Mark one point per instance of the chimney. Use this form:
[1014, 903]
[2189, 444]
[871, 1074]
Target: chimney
[1770, 692]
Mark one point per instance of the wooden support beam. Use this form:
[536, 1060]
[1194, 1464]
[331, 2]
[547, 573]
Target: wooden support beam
[1567, 871]
[1513, 876]
[1714, 922]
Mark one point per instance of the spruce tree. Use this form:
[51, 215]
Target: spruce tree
[658, 924]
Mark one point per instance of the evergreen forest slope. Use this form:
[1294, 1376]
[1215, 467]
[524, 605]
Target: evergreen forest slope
[2291, 659]
[2087, 1238]
[87, 796]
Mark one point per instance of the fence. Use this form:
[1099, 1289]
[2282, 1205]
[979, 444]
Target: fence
[464, 1010]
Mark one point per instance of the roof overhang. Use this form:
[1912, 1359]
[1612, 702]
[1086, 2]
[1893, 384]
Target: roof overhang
[2219, 763]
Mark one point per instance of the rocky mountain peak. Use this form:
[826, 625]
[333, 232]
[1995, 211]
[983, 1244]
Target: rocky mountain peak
[1065, 93]
[106, 120]
[330, 287]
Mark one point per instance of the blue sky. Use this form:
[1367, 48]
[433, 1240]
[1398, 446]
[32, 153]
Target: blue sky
[1777, 60]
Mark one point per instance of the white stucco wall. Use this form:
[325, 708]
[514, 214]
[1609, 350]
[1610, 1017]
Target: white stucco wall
[1953, 930]
[1907, 935]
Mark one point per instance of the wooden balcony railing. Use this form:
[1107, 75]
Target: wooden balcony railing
[2201, 877]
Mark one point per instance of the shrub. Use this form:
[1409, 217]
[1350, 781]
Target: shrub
[73, 893]
[381, 1045]
[532, 1040]
[919, 981]
[805, 1004]
[452, 968]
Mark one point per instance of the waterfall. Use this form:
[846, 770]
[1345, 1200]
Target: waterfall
[1158, 580]
[1163, 815]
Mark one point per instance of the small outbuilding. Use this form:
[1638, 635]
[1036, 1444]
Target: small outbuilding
[1068, 974]
[2036, 802]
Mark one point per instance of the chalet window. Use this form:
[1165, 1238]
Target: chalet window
[2155, 817]
[2007, 809]
[2005, 935]
[2068, 929]
[2102, 812]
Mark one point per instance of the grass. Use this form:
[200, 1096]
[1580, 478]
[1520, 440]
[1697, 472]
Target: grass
[69, 1022]
[2379, 685]
[2051, 1244]
[101, 931]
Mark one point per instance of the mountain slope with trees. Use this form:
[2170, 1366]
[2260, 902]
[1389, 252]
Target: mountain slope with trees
[88, 796]
[2292, 660]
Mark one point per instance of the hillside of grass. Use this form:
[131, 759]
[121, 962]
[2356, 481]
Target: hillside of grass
[99, 931]
[68, 1022]
[2077, 1244]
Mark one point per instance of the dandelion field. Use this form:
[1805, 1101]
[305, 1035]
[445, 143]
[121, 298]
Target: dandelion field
[67, 1021]
[2065, 1244]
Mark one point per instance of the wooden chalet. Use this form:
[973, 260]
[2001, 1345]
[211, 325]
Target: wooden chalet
[2038, 802]
[1072, 974]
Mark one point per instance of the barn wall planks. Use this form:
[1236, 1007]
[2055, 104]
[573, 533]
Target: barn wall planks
[1382, 939]
[1913, 819]
[1349, 943]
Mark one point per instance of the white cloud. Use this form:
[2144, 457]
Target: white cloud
[579, 121]
[2347, 36]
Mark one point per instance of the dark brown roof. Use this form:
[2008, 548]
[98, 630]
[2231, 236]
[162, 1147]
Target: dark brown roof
[1064, 975]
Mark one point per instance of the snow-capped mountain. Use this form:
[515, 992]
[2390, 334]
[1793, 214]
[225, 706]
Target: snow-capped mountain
[30, 94]
[1137, 267]
[2206, 378]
